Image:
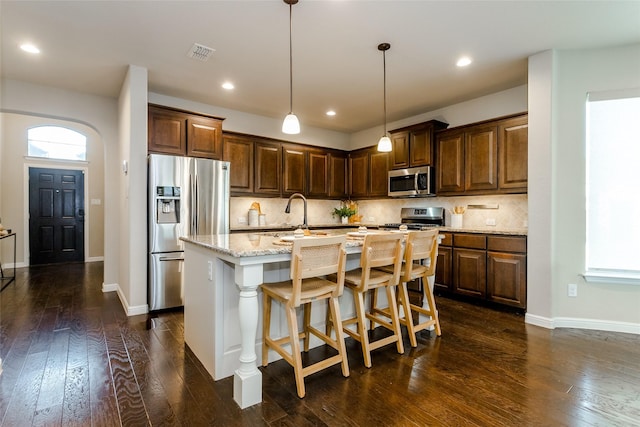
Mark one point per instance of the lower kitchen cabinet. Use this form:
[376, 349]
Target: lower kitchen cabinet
[470, 272]
[507, 270]
[483, 266]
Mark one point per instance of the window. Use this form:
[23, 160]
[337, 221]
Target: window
[54, 142]
[613, 187]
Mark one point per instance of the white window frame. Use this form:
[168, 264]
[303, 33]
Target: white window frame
[605, 273]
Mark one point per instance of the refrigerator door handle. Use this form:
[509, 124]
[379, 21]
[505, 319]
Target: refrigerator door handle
[192, 221]
[197, 206]
[166, 258]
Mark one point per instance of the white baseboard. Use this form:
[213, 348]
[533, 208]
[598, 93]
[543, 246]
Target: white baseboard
[94, 259]
[129, 309]
[111, 287]
[17, 265]
[578, 323]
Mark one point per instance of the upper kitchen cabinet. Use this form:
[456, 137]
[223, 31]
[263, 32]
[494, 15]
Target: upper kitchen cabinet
[359, 173]
[268, 168]
[238, 151]
[182, 133]
[513, 137]
[294, 169]
[414, 145]
[483, 158]
[338, 175]
[368, 173]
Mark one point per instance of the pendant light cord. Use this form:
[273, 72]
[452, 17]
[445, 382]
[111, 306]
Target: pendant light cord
[290, 60]
[384, 88]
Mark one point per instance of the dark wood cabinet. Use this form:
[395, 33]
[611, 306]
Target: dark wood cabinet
[166, 132]
[319, 174]
[181, 133]
[399, 156]
[268, 168]
[507, 270]
[450, 168]
[294, 167]
[358, 173]
[486, 158]
[470, 264]
[513, 140]
[414, 145]
[444, 266]
[238, 151]
[481, 158]
[204, 137]
[338, 175]
[368, 173]
[378, 178]
[483, 266]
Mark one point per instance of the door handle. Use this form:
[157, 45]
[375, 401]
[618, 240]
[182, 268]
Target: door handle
[166, 258]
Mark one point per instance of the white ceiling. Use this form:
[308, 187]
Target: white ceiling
[87, 45]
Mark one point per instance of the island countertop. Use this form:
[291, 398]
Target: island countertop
[240, 245]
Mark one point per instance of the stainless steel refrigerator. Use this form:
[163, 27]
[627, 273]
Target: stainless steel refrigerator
[186, 196]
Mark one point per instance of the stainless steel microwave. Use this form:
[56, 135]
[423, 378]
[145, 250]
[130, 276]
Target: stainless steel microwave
[412, 182]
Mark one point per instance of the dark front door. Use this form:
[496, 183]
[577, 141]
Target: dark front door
[56, 216]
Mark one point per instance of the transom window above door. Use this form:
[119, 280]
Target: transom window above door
[55, 142]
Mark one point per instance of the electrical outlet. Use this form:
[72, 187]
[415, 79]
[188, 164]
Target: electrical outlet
[572, 290]
[490, 221]
[210, 270]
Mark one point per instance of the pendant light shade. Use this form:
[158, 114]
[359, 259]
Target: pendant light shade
[384, 144]
[291, 125]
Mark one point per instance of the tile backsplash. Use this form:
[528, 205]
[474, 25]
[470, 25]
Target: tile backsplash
[508, 211]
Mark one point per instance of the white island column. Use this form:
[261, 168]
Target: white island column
[247, 379]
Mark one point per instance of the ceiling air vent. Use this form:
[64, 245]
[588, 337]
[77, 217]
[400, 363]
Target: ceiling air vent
[200, 52]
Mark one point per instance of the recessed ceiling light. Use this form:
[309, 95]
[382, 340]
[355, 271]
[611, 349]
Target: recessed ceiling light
[330, 113]
[228, 85]
[463, 61]
[28, 47]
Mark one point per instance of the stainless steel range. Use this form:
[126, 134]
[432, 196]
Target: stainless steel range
[419, 218]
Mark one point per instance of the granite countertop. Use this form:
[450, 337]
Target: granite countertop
[254, 244]
[260, 243]
[487, 230]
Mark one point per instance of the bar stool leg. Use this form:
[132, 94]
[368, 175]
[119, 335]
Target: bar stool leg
[406, 308]
[295, 349]
[395, 321]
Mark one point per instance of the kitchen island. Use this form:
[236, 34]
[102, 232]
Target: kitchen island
[222, 310]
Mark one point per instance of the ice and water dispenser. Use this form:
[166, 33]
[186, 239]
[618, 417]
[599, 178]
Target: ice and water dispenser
[167, 205]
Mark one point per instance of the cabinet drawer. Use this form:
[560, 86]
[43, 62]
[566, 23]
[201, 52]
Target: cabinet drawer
[447, 239]
[473, 241]
[507, 244]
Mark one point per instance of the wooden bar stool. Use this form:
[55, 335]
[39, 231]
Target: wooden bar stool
[421, 247]
[311, 258]
[378, 250]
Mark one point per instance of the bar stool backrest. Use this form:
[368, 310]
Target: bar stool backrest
[314, 257]
[380, 250]
[420, 245]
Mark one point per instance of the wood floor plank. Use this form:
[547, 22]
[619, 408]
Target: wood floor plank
[71, 357]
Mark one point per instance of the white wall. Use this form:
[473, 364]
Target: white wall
[97, 112]
[564, 78]
[488, 107]
[237, 121]
[15, 186]
[132, 201]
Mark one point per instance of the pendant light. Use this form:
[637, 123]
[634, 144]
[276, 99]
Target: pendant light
[291, 125]
[384, 144]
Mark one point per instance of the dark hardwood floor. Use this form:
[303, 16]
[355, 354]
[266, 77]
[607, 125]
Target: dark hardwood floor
[71, 357]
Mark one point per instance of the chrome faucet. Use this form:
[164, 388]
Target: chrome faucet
[288, 208]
